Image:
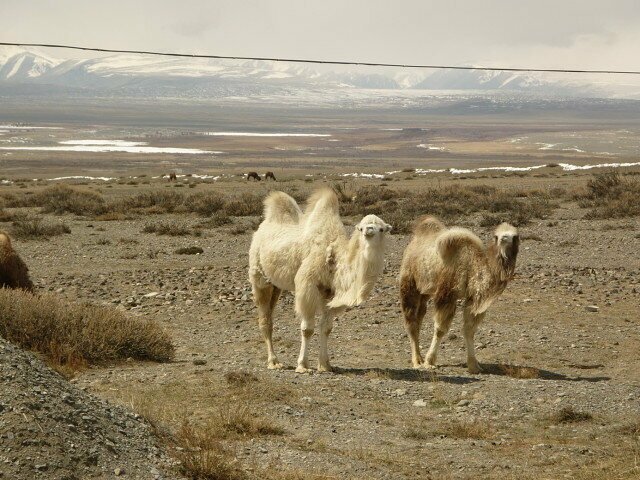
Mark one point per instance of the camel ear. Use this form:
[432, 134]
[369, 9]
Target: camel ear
[387, 227]
[359, 227]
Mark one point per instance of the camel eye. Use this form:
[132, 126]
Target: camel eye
[382, 229]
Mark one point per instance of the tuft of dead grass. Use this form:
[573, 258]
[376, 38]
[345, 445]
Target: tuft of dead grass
[35, 228]
[240, 378]
[74, 335]
[569, 415]
[172, 229]
[516, 371]
[609, 196]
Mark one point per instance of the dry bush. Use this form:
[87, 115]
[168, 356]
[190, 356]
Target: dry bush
[189, 251]
[202, 456]
[569, 415]
[78, 334]
[609, 196]
[170, 229]
[205, 204]
[158, 201]
[216, 220]
[244, 205]
[239, 421]
[65, 199]
[240, 378]
[464, 429]
[31, 228]
[450, 203]
[515, 371]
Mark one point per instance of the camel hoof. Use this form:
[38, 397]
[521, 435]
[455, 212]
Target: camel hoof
[325, 368]
[274, 366]
[474, 368]
[301, 369]
[429, 366]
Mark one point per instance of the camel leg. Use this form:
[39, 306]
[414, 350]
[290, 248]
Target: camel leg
[441, 323]
[414, 306]
[469, 328]
[326, 325]
[265, 299]
[307, 302]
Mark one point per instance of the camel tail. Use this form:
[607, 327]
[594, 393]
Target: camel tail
[281, 208]
[427, 225]
[454, 240]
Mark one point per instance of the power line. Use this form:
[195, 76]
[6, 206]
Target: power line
[321, 62]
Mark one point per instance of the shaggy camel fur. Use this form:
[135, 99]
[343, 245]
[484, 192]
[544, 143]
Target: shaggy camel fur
[445, 265]
[13, 271]
[310, 254]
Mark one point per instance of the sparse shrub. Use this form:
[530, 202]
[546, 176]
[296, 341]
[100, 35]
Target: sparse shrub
[65, 199]
[609, 196]
[202, 456]
[217, 220]
[244, 205]
[159, 200]
[33, 228]
[569, 415]
[189, 251]
[240, 378]
[171, 229]
[77, 334]
[205, 204]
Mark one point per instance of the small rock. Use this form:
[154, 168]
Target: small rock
[463, 403]
[592, 308]
[118, 471]
[199, 361]
[400, 392]
[420, 403]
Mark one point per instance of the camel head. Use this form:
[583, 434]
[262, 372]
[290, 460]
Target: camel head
[507, 243]
[373, 228]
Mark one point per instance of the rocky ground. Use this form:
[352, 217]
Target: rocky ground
[565, 334]
[52, 429]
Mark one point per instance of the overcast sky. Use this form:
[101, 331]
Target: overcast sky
[533, 33]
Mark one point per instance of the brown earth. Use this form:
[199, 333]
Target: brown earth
[375, 417]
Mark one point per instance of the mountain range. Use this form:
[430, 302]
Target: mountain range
[143, 75]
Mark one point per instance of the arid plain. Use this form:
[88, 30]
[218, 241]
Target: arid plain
[560, 392]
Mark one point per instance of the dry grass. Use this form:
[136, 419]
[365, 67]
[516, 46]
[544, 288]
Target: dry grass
[202, 456]
[32, 228]
[428, 428]
[189, 251]
[515, 371]
[240, 378]
[610, 196]
[171, 229]
[450, 203]
[76, 334]
[569, 415]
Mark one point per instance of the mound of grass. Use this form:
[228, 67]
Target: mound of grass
[569, 415]
[170, 229]
[31, 228]
[74, 335]
[610, 196]
[189, 251]
[240, 378]
[158, 201]
[244, 205]
[206, 204]
[65, 199]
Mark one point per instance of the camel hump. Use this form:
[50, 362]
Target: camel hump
[452, 241]
[5, 241]
[427, 225]
[325, 200]
[281, 208]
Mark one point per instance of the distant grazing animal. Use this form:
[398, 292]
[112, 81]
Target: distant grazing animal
[173, 177]
[444, 265]
[310, 254]
[270, 175]
[13, 271]
[253, 175]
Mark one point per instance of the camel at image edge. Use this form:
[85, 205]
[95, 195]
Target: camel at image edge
[310, 254]
[447, 265]
[13, 271]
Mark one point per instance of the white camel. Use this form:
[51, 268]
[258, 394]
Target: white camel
[310, 254]
[445, 265]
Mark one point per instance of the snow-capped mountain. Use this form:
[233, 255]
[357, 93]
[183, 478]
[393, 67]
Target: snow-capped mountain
[152, 76]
